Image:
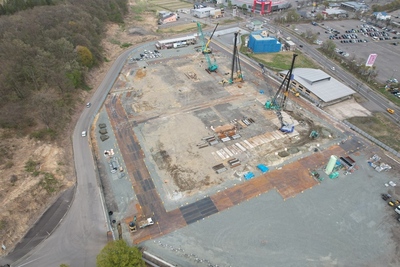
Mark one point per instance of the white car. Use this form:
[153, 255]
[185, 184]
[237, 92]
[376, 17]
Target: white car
[88, 105]
[397, 209]
[84, 133]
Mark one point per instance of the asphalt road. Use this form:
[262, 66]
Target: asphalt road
[82, 233]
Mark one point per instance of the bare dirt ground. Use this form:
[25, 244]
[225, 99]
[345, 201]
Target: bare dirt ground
[23, 195]
[347, 109]
[176, 103]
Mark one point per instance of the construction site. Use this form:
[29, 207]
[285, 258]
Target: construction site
[193, 124]
[200, 138]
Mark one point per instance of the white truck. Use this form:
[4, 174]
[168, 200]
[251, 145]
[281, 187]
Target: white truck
[145, 223]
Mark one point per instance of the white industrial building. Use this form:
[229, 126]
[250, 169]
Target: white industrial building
[204, 12]
[318, 86]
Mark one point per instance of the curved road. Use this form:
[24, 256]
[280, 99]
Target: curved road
[82, 233]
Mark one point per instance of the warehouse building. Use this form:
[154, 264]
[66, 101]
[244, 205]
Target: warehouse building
[318, 86]
[202, 12]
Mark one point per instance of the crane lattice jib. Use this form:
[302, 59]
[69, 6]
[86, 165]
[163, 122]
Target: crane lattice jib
[201, 36]
[205, 48]
[211, 66]
[279, 100]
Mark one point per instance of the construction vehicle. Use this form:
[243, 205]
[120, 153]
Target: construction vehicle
[236, 63]
[145, 223]
[206, 49]
[212, 66]
[314, 134]
[278, 102]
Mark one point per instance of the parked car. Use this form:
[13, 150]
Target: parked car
[84, 133]
[397, 209]
[394, 203]
[385, 196]
[88, 105]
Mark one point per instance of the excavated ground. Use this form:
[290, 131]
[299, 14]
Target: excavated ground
[174, 104]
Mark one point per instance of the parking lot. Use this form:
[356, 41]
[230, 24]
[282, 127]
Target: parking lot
[357, 40]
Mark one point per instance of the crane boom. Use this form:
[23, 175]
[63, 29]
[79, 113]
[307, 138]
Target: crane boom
[212, 67]
[236, 63]
[206, 49]
[278, 102]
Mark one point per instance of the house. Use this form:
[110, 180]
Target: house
[168, 18]
[290, 45]
[381, 15]
[217, 13]
[204, 12]
[334, 13]
[255, 25]
[354, 6]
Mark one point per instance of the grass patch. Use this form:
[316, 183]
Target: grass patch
[229, 21]
[141, 9]
[180, 28]
[115, 42]
[125, 45]
[44, 134]
[3, 224]
[49, 182]
[379, 127]
[278, 61]
[30, 166]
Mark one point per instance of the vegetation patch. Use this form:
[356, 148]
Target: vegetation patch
[380, 127]
[190, 27]
[49, 182]
[44, 134]
[32, 167]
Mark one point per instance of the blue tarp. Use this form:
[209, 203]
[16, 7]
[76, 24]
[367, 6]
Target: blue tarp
[248, 176]
[263, 168]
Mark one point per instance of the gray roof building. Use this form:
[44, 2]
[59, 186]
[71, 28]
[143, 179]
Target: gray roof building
[319, 86]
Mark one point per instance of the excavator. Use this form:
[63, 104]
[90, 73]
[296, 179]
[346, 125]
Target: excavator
[206, 49]
[278, 102]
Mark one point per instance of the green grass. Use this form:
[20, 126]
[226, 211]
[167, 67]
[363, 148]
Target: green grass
[380, 127]
[49, 182]
[279, 61]
[191, 27]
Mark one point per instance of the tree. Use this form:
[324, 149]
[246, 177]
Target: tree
[329, 47]
[85, 56]
[118, 253]
[244, 9]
